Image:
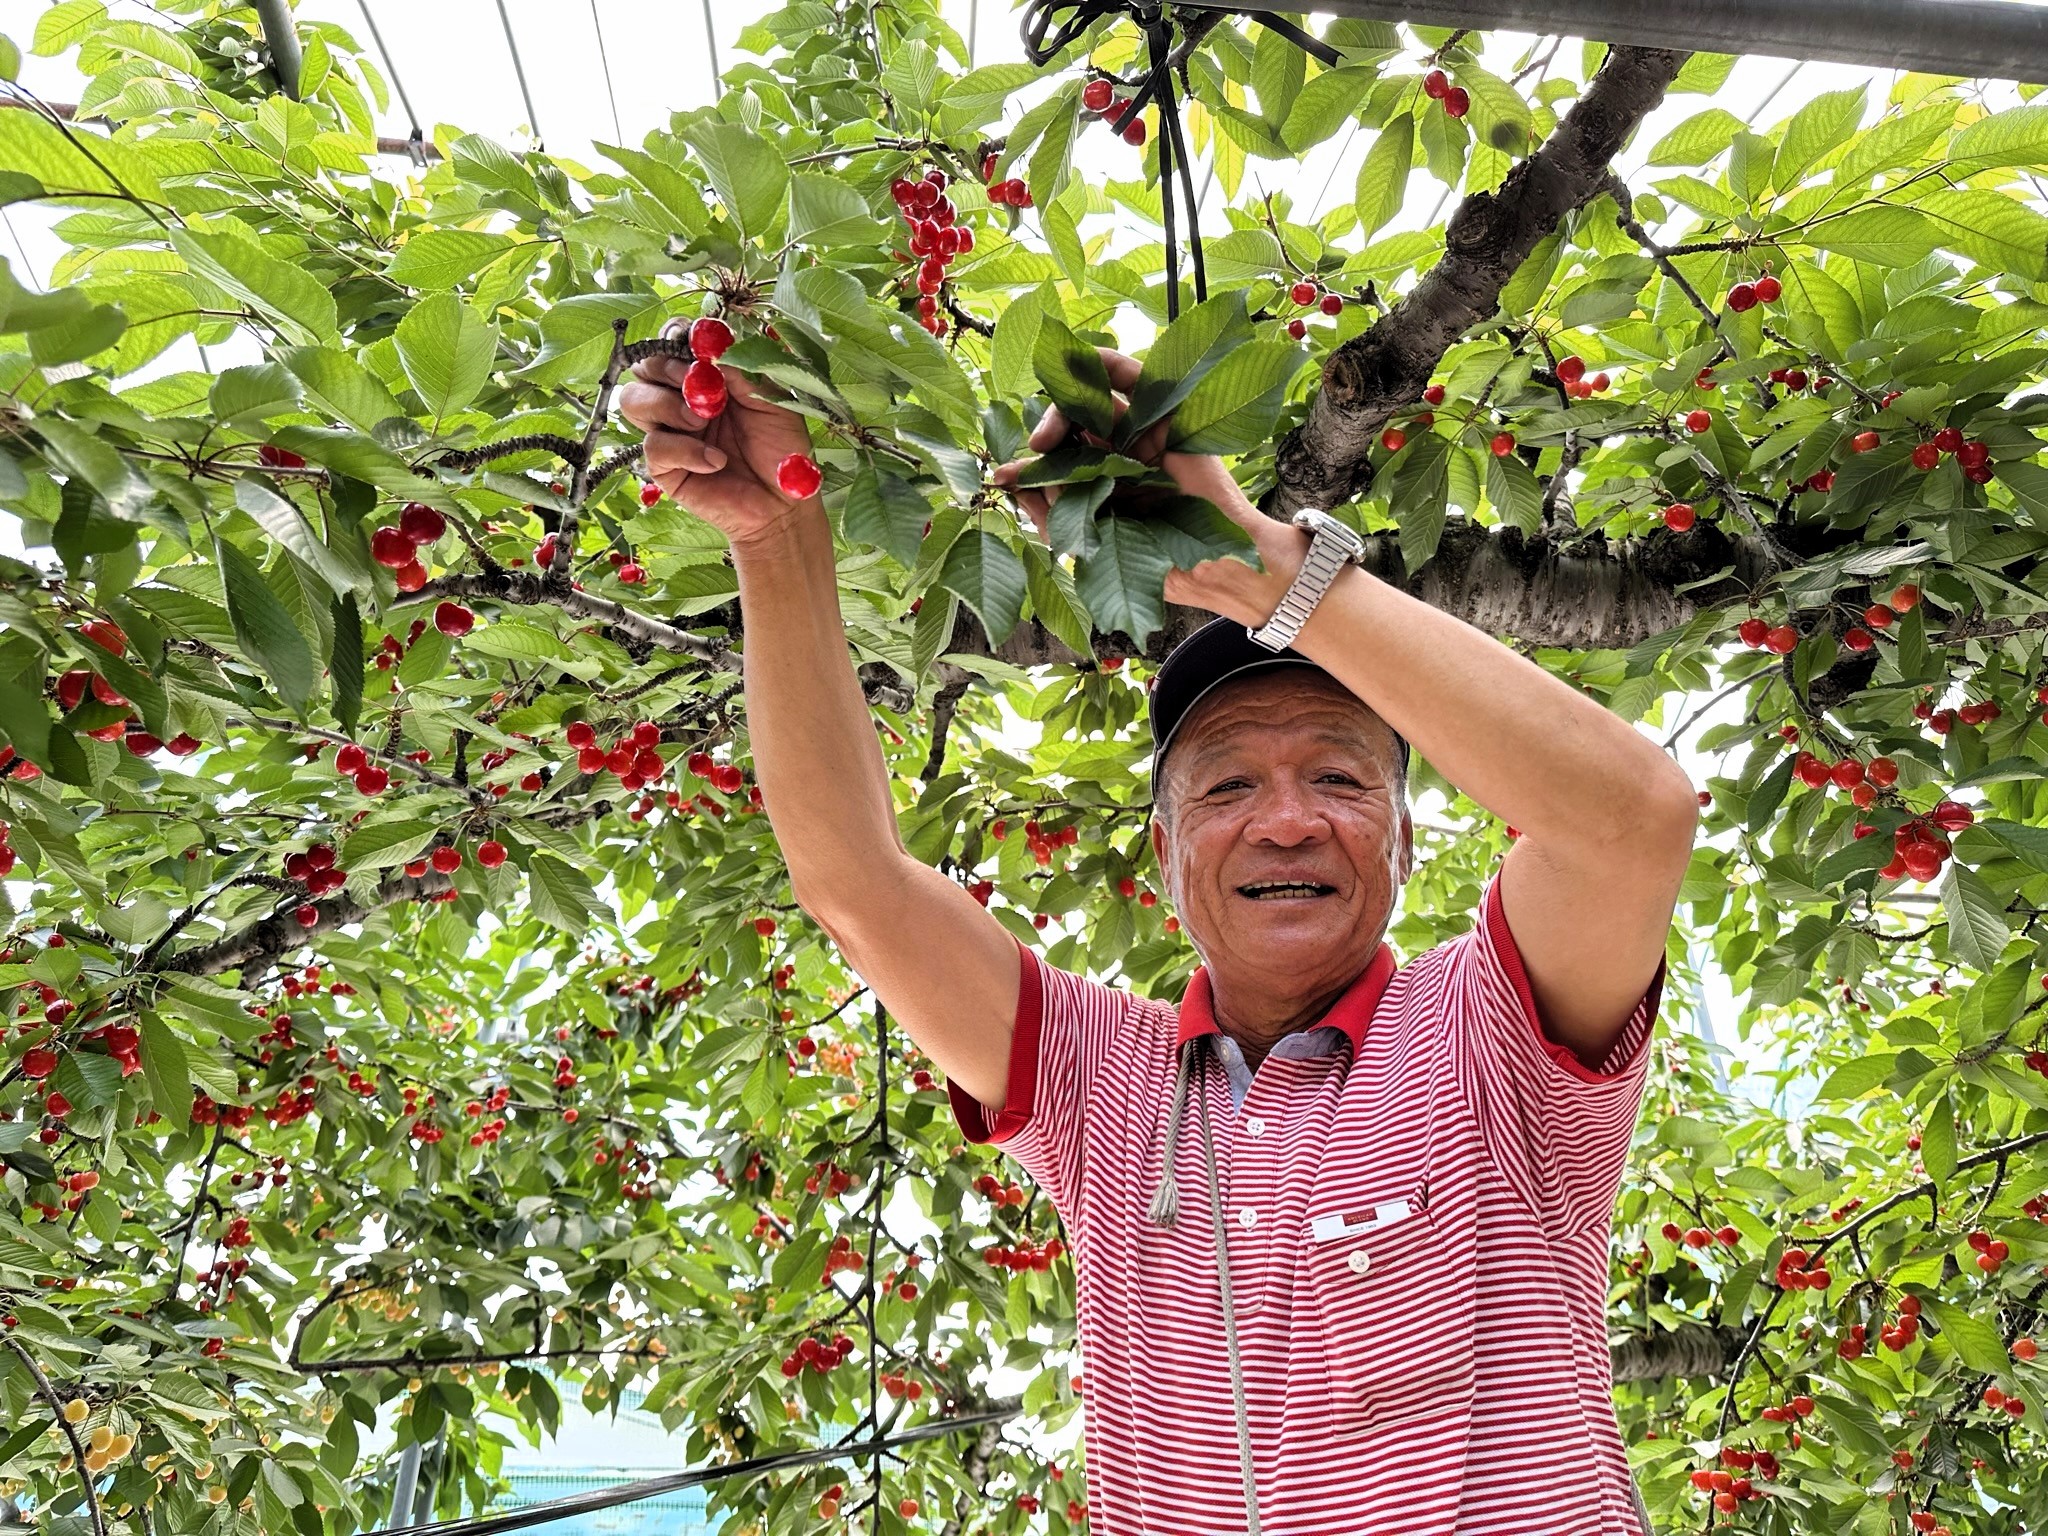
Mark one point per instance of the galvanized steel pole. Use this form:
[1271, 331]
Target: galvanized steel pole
[1976, 39]
[275, 16]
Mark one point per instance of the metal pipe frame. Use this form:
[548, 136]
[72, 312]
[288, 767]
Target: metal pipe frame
[1974, 39]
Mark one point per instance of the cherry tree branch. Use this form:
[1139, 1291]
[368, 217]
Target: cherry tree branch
[48, 1394]
[1323, 462]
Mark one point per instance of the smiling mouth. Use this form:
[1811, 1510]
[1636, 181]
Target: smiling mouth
[1271, 890]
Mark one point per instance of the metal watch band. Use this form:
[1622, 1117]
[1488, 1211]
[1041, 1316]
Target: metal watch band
[1332, 547]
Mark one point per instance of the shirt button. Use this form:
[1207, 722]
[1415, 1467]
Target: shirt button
[1254, 1126]
[1247, 1217]
[1360, 1261]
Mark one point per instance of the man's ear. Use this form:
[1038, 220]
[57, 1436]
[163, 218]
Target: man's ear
[1407, 844]
[1158, 842]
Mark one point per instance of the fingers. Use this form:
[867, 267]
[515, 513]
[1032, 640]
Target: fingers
[1123, 371]
[679, 453]
[1050, 432]
[649, 406]
[1202, 474]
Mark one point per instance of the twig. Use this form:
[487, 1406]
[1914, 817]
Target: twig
[48, 1394]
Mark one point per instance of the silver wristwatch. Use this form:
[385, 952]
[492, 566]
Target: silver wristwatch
[1332, 547]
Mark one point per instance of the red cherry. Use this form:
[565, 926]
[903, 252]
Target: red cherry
[1392, 439]
[1303, 293]
[1434, 395]
[650, 493]
[307, 915]
[1741, 297]
[709, 337]
[1699, 421]
[453, 619]
[1948, 439]
[1134, 130]
[411, 577]
[1863, 442]
[1436, 85]
[632, 573]
[1882, 772]
[38, 1062]
[798, 476]
[1752, 632]
[1782, 640]
[446, 859]
[1332, 304]
[1905, 597]
[490, 854]
[421, 523]
[1296, 328]
[1768, 289]
[390, 548]
[1678, 516]
[1457, 102]
[1097, 94]
[704, 389]
[1926, 456]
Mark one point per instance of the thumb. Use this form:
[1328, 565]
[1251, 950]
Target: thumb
[1203, 474]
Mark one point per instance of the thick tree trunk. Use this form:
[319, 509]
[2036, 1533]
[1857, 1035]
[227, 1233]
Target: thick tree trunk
[1323, 461]
[1692, 1350]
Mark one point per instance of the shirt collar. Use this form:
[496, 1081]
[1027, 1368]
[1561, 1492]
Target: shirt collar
[1349, 1014]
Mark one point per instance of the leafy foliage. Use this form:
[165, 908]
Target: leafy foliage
[482, 1070]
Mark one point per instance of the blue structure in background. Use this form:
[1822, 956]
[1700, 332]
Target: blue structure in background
[596, 1451]
[672, 1514]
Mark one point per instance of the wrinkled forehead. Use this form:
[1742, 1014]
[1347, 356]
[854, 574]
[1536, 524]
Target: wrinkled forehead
[1246, 711]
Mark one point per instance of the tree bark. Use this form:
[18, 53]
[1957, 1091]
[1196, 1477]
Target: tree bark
[1693, 1349]
[1322, 463]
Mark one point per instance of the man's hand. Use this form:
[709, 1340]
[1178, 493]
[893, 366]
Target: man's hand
[723, 469]
[1225, 586]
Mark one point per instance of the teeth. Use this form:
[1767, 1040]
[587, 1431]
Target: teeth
[1258, 891]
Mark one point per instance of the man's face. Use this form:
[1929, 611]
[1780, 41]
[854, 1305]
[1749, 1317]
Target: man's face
[1284, 775]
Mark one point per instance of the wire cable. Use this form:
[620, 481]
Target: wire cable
[519, 69]
[415, 139]
[653, 1487]
[605, 59]
[711, 43]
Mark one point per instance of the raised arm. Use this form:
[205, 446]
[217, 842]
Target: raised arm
[1606, 819]
[942, 966]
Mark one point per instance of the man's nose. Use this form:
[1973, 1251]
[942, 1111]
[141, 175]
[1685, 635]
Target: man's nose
[1285, 810]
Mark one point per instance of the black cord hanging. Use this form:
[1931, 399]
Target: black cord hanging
[1050, 25]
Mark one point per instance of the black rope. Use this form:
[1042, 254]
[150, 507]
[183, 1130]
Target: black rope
[1049, 26]
[519, 69]
[650, 1488]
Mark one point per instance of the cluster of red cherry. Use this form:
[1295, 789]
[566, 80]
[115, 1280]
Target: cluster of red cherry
[1311, 295]
[1436, 85]
[830, 1179]
[397, 547]
[843, 1255]
[1744, 296]
[1797, 1271]
[1571, 373]
[1023, 1256]
[991, 1188]
[1971, 456]
[1991, 1251]
[1729, 1489]
[206, 1112]
[936, 235]
[1042, 843]
[821, 1356]
[1862, 780]
[1700, 1237]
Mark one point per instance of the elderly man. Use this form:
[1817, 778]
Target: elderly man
[1340, 1223]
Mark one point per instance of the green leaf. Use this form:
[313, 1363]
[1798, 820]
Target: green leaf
[293, 301]
[1324, 104]
[1123, 582]
[1418, 495]
[386, 844]
[1886, 236]
[824, 210]
[1192, 529]
[1698, 139]
[1073, 375]
[10, 69]
[87, 333]
[1052, 160]
[1999, 231]
[1014, 346]
[989, 578]
[436, 259]
[745, 169]
[447, 352]
[268, 638]
[562, 896]
[1975, 1340]
[343, 386]
[1182, 355]
[1054, 601]
[1513, 491]
[1824, 122]
[887, 511]
[932, 629]
[1383, 176]
[163, 1064]
[65, 24]
[1938, 1140]
[345, 662]
[77, 164]
[1855, 1078]
[1893, 142]
[1234, 406]
[285, 523]
[576, 336]
[1977, 928]
[2017, 136]
[1499, 115]
[253, 392]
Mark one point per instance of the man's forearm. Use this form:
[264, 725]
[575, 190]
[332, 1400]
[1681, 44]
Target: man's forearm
[1522, 743]
[822, 775]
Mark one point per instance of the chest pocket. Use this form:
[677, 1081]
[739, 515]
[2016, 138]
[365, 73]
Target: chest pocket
[1395, 1306]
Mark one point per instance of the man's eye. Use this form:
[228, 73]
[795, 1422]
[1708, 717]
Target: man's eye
[1343, 777]
[1226, 784]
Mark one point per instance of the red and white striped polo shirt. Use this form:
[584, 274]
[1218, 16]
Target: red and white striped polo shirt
[1445, 1372]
